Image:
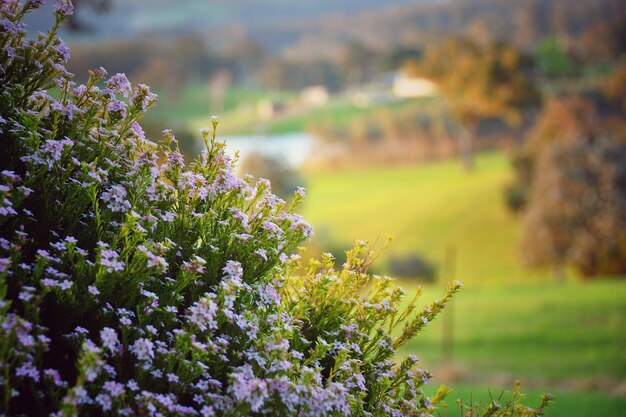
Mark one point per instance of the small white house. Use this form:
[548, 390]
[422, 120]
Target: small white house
[314, 96]
[406, 86]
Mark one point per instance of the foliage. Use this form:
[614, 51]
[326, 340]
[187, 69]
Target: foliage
[144, 58]
[576, 213]
[481, 82]
[411, 265]
[553, 60]
[561, 121]
[570, 187]
[616, 86]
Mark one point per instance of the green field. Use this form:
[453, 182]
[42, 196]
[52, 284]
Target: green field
[192, 110]
[565, 339]
[508, 322]
[427, 209]
[536, 332]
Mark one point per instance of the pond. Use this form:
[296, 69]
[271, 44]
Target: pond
[292, 148]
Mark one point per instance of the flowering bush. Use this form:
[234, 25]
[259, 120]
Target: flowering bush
[133, 284]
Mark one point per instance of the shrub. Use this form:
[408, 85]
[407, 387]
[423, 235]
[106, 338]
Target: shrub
[133, 284]
[412, 265]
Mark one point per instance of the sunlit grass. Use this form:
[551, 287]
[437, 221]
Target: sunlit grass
[535, 331]
[428, 209]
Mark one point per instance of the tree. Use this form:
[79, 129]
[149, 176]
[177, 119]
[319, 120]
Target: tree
[576, 214]
[616, 86]
[479, 82]
[561, 121]
[553, 59]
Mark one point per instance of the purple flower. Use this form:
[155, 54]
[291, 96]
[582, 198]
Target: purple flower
[143, 97]
[143, 349]
[66, 285]
[28, 370]
[119, 84]
[34, 3]
[63, 50]
[119, 107]
[233, 270]
[64, 7]
[4, 264]
[196, 265]
[49, 282]
[138, 131]
[247, 388]
[115, 197]
[262, 253]
[156, 261]
[54, 375]
[26, 294]
[272, 228]
[298, 223]
[269, 295]
[109, 259]
[202, 313]
[168, 216]
[105, 401]
[115, 389]
[109, 339]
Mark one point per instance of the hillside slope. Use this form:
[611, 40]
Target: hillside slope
[428, 209]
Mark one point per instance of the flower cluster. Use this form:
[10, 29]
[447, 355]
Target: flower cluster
[132, 283]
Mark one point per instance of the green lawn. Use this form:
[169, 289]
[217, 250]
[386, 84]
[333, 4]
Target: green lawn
[428, 209]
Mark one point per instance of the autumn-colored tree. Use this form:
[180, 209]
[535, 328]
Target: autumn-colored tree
[616, 86]
[576, 214]
[563, 121]
[479, 82]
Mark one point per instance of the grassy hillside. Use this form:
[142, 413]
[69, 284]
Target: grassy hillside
[428, 209]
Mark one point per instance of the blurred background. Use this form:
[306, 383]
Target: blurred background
[487, 136]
